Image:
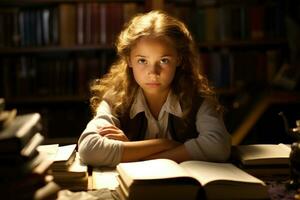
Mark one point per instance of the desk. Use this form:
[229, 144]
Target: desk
[103, 183]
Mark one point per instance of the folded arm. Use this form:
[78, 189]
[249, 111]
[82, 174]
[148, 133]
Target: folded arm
[102, 143]
[212, 144]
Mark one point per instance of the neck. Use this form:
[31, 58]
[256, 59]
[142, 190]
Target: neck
[155, 102]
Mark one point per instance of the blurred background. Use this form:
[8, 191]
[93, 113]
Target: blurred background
[50, 50]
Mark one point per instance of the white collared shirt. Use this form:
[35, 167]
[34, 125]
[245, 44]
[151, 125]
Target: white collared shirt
[212, 144]
[157, 128]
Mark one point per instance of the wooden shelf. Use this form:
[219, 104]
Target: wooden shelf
[49, 2]
[217, 3]
[54, 49]
[106, 47]
[243, 44]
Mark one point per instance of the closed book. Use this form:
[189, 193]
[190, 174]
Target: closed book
[61, 156]
[67, 24]
[49, 191]
[65, 156]
[28, 152]
[166, 179]
[266, 171]
[76, 170]
[19, 132]
[76, 184]
[25, 187]
[20, 170]
[262, 154]
[6, 117]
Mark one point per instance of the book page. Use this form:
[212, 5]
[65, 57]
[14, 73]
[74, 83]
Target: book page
[64, 152]
[77, 165]
[206, 172]
[50, 150]
[104, 177]
[150, 169]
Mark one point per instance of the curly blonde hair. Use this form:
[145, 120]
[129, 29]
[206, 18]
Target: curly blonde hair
[118, 87]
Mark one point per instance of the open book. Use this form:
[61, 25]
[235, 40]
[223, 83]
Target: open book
[165, 179]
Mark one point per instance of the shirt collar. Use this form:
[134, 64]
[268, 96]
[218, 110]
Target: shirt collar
[172, 104]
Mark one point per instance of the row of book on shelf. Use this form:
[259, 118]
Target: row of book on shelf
[42, 76]
[234, 22]
[99, 23]
[65, 24]
[226, 69]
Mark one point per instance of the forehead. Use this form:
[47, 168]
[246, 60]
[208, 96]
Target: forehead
[147, 45]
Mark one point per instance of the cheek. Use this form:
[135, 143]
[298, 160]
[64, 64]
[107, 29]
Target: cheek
[138, 74]
[169, 74]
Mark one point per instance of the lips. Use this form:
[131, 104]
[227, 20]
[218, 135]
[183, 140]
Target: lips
[153, 84]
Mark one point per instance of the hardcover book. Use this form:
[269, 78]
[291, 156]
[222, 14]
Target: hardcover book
[263, 160]
[263, 154]
[19, 132]
[165, 179]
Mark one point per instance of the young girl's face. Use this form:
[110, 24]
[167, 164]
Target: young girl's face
[154, 63]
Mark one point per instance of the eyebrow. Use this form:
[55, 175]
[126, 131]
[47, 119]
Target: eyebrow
[147, 56]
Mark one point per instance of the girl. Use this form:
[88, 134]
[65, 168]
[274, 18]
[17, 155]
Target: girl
[154, 102]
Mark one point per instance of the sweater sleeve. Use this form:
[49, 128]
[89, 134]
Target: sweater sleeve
[213, 142]
[96, 150]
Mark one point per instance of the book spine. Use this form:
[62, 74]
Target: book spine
[17, 137]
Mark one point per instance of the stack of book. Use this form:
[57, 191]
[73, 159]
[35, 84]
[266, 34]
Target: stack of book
[166, 179]
[6, 116]
[263, 160]
[23, 168]
[67, 169]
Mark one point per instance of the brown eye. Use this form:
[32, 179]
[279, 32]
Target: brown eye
[142, 61]
[164, 61]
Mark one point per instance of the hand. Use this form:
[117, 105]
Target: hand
[113, 132]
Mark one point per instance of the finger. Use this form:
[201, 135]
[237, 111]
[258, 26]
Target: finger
[116, 137]
[108, 127]
[109, 131]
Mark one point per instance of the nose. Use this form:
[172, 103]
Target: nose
[154, 69]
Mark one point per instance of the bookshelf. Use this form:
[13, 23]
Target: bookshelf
[51, 49]
[243, 44]
[49, 52]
